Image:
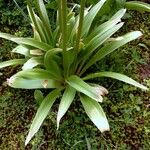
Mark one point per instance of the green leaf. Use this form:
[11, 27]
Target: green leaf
[95, 113]
[88, 19]
[117, 76]
[12, 62]
[44, 17]
[33, 43]
[32, 62]
[35, 74]
[65, 103]
[26, 41]
[43, 34]
[41, 114]
[32, 79]
[22, 83]
[21, 50]
[106, 25]
[110, 47]
[36, 25]
[83, 87]
[52, 62]
[38, 95]
[139, 6]
[101, 38]
[36, 34]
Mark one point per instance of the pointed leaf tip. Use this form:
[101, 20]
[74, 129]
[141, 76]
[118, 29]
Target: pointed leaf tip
[41, 114]
[95, 113]
[65, 103]
[81, 86]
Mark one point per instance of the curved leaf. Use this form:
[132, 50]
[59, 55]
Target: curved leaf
[12, 62]
[106, 25]
[117, 76]
[35, 74]
[110, 47]
[100, 39]
[38, 95]
[44, 17]
[21, 50]
[36, 24]
[41, 114]
[33, 43]
[95, 113]
[88, 19]
[139, 6]
[52, 62]
[26, 41]
[22, 83]
[65, 103]
[83, 87]
[42, 31]
[32, 62]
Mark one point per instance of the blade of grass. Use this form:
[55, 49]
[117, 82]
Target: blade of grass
[21, 10]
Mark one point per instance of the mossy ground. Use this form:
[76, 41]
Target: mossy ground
[127, 107]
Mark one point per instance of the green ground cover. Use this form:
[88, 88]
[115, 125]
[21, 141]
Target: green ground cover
[127, 107]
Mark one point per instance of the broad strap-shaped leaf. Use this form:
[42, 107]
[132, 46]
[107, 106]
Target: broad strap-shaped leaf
[26, 41]
[137, 5]
[33, 79]
[95, 113]
[88, 19]
[33, 43]
[106, 25]
[44, 17]
[100, 34]
[44, 34]
[32, 62]
[117, 76]
[41, 29]
[36, 34]
[35, 74]
[52, 62]
[38, 31]
[38, 95]
[81, 86]
[100, 39]
[33, 20]
[12, 62]
[23, 83]
[20, 49]
[67, 99]
[41, 114]
[110, 47]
